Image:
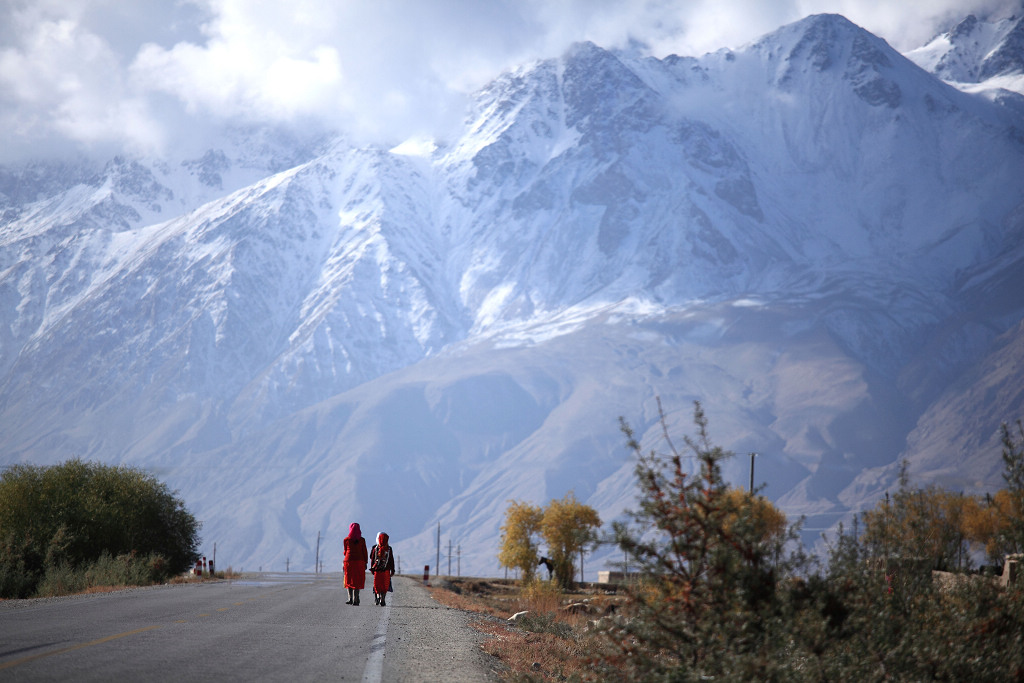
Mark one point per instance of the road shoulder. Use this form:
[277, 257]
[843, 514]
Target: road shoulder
[427, 641]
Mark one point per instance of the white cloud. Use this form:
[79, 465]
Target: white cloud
[105, 73]
[65, 83]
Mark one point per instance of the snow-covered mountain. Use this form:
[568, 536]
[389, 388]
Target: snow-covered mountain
[975, 52]
[812, 235]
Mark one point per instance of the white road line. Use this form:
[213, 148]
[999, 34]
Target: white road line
[375, 662]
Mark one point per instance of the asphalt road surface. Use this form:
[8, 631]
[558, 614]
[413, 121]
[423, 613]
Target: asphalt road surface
[271, 627]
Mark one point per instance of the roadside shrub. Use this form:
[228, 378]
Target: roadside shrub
[59, 521]
[545, 623]
[541, 596]
[15, 580]
[709, 606]
[894, 621]
[726, 597]
[61, 579]
[105, 571]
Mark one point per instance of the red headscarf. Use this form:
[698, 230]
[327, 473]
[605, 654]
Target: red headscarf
[353, 531]
[382, 539]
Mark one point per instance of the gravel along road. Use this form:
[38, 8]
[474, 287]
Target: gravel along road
[266, 627]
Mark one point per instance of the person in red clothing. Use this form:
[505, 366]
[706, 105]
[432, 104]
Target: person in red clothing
[382, 564]
[354, 563]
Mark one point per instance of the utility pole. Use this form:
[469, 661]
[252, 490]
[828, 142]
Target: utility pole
[460, 559]
[316, 567]
[449, 557]
[438, 564]
[287, 565]
[752, 473]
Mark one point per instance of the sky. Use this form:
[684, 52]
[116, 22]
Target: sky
[147, 76]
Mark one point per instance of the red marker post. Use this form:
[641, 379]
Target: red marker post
[426, 575]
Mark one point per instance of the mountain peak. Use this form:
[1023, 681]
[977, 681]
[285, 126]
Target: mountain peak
[827, 42]
[585, 50]
[964, 29]
[975, 51]
[595, 81]
[827, 39]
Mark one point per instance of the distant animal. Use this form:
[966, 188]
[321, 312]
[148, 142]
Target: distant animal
[547, 563]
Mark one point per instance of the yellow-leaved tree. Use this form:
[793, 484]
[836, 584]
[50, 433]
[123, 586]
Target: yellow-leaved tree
[519, 538]
[997, 521]
[986, 520]
[767, 522]
[568, 528]
[924, 525]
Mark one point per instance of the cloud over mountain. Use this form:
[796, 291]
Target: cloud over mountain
[160, 75]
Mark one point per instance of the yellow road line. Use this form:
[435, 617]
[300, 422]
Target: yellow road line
[23, 660]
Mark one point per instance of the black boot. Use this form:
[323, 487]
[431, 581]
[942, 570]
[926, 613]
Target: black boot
[382, 602]
[349, 601]
[356, 599]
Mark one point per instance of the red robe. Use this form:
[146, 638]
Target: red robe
[382, 564]
[355, 559]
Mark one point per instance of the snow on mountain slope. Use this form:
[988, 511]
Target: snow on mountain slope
[493, 421]
[236, 302]
[974, 51]
[811, 235]
[989, 53]
[733, 152]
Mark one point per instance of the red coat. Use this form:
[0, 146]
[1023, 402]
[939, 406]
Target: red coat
[354, 563]
[382, 564]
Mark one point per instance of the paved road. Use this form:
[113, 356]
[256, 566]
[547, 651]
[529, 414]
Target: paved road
[274, 627]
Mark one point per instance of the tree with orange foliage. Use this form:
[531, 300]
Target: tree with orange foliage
[997, 521]
[988, 523]
[979, 524]
[769, 522]
[923, 524]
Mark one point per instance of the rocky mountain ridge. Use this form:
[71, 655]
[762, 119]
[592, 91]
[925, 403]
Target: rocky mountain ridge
[811, 235]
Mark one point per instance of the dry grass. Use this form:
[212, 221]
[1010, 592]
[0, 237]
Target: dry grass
[470, 602]
[552, 643]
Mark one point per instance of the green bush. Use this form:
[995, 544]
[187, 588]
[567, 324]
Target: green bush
[15, 579]
[107, 570]
[61, 521]
[894, 621]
